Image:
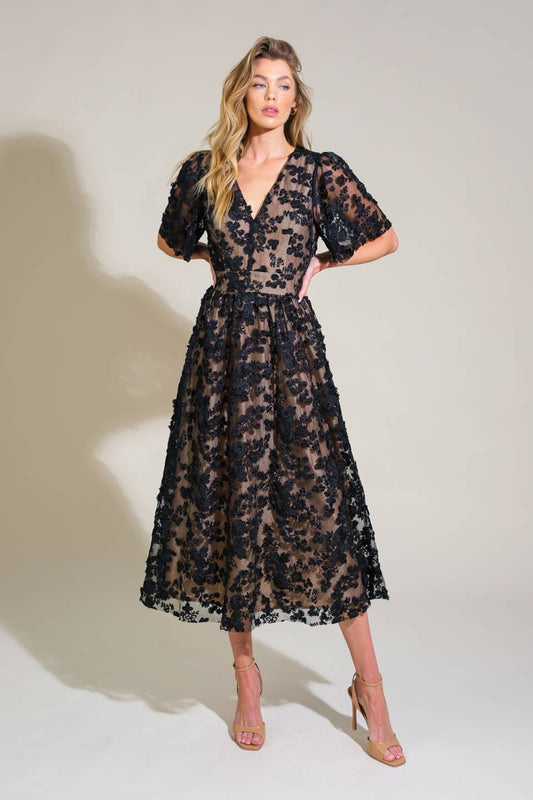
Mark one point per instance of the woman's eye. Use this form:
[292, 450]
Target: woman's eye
[284, 86]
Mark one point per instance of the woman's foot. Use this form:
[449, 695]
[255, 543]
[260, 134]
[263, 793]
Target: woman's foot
[248, 703]
[379, 728]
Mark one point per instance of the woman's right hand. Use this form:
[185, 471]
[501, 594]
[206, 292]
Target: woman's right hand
[203, 252]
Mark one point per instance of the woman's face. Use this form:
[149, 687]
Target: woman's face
[271, 93]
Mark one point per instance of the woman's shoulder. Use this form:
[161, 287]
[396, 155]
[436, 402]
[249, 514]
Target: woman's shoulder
[322, 156]
[326, 164]
[196, 160]
[201, 157]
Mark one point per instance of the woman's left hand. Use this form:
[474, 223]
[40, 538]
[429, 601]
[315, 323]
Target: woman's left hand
[318, 262]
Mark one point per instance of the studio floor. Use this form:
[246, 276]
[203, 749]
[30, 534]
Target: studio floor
[145, 711]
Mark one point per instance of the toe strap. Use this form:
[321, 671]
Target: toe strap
[254, 728]
[385, 745]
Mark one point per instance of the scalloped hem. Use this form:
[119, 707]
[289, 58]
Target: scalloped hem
[193, 611]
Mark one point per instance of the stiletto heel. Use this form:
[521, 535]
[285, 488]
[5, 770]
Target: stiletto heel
[259, 729]
[375, 749]
[354, 712]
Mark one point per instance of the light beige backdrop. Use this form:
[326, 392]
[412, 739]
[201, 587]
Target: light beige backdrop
[430, 347]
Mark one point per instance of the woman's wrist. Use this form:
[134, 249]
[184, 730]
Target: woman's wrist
[325, 259]
[200, 251]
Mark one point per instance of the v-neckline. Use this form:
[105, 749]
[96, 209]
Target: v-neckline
[268, 194]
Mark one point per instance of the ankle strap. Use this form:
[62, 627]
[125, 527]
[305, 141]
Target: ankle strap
[241, 669]
[367, 683]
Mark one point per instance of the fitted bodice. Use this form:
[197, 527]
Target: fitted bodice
[314, 195]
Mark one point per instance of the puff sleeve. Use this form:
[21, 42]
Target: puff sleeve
[183, 220]
[345, 213]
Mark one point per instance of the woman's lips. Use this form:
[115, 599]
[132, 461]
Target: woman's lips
[270, 112]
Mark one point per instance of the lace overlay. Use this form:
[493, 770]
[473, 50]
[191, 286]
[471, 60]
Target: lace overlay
[261, 515]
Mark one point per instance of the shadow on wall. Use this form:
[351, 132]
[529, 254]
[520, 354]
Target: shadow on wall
[73, 551]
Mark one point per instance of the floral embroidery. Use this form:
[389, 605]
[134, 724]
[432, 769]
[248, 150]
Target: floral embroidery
[261, 515]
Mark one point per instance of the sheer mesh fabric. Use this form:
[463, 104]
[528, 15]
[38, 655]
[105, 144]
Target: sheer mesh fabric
[261, 515]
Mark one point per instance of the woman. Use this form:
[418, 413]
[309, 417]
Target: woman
[261, 515]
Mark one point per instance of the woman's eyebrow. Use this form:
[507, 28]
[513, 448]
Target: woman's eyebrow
[282, 78]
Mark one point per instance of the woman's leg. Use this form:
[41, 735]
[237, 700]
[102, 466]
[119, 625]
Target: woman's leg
[356, 631]
[248, 704]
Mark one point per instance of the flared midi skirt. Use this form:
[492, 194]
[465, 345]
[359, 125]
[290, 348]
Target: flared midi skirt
[261, 515]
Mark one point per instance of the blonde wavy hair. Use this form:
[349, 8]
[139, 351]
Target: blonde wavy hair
[227, 136]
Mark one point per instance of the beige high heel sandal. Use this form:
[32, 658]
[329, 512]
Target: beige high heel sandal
[260, 729]
[375, 749]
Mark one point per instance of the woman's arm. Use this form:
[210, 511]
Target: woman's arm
[201, 250]
[382, 246]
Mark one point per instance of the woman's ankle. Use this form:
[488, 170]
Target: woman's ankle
[243, 660]
[369, 678]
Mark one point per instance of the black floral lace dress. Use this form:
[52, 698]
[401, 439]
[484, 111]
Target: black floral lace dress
[261, 515]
